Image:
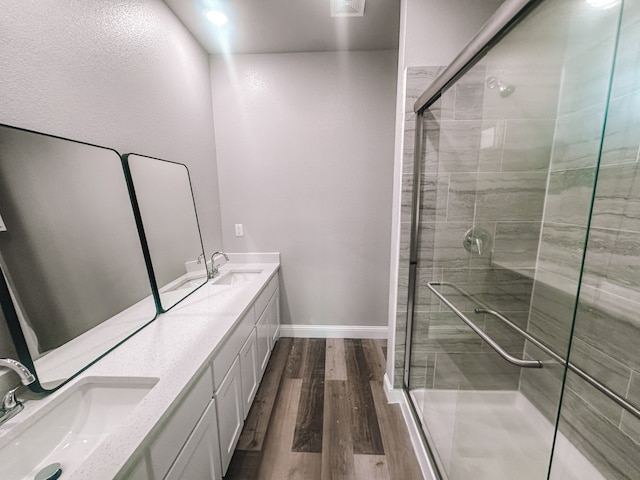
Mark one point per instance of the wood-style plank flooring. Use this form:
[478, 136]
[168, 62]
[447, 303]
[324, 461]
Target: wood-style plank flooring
[321, 413]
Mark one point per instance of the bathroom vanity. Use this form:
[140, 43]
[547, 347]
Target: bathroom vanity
[184, 385]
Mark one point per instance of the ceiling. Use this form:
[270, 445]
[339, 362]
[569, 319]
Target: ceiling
[282, 26]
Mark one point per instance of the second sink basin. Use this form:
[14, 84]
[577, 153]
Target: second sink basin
[71, 427]
[237, 277]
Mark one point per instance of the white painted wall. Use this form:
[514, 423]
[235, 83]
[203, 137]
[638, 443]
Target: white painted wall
[305, 159]
[432, 33]
[124, 74]
[437, 30]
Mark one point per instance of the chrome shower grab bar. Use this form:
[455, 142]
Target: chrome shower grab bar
[485, 309]
[570, 366]
[526, 335]
[623, 402]
[490, 341]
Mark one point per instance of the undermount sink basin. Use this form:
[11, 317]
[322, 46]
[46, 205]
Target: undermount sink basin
[237, 277]
[71, 427]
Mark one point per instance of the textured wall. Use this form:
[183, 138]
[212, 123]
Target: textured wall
[305, 156]
[124, 74]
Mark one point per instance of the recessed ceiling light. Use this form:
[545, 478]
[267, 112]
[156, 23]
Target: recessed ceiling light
[216, 17]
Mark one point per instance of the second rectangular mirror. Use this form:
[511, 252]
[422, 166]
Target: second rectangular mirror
[170, 226]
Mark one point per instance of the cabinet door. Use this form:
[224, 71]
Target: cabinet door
[249, 371]
[274, 318]
[170, 439]
[139, 471]
[263, 331]
[230, 413]
[200, 456]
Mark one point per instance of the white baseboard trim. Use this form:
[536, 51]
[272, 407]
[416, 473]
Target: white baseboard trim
[399, 396]
[394, 395]
[333, 331]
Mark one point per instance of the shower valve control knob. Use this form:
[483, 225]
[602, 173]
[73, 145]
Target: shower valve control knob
[476, 240]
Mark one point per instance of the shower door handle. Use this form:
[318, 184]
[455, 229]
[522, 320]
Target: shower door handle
[481, 333]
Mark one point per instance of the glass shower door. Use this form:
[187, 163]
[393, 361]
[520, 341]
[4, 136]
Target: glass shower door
[606, 333]
[510, 153]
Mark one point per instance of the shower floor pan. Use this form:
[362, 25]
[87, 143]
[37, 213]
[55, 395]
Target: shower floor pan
[496, 436]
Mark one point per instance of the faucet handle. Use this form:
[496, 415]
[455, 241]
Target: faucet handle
[10, 406]
[476, 238]
[214, 267]
[10, 401]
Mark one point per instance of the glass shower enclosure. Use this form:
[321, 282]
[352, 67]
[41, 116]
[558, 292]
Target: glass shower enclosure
[523, 261]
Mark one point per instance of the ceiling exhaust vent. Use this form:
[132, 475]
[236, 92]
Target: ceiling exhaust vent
[347, 8]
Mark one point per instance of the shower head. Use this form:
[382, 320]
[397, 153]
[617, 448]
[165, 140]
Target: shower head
[503, 90]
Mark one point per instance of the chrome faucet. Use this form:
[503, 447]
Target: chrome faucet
[10, 404]
[200, 258]
[214, 268]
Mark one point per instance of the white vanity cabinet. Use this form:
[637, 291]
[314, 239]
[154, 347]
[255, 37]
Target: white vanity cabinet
[238, 367]
[174, 434]
[249, 371]
[186, 441]
[230, 413]
[197, 438]
[268, 324]
[263, 334]
[140, 471]
[274, 317]
[200, 458]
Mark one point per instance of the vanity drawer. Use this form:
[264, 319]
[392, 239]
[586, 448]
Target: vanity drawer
[265, 295]
[176, 429]
[227, 353]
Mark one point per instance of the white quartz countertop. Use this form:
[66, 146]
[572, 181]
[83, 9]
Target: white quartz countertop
[173, 349]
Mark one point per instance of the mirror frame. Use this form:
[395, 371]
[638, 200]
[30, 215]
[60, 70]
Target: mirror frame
[143, 236]
[9, 309]
[20, 342]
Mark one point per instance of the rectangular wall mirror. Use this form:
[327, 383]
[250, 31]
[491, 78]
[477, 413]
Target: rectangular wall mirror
[74, 282]
[169, 220]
